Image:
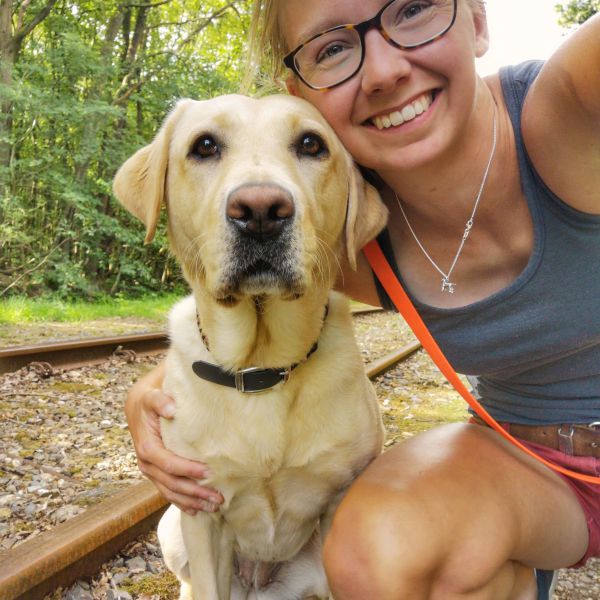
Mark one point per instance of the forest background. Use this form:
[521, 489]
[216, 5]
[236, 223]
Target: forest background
[83, 84]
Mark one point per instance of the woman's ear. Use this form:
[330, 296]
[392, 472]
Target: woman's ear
[291, 84]
[482, 34]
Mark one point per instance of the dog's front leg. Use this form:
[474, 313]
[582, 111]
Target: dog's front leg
[209, 546]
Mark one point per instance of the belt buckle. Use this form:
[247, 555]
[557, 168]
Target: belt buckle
[565, 439]
[595, 427]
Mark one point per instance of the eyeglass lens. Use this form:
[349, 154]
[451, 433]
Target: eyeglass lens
[337, 54]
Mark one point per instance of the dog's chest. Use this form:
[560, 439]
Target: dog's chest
[257, 437]
[280, 457]
[277, 474]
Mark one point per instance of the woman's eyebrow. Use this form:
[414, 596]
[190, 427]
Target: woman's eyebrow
[315, 29]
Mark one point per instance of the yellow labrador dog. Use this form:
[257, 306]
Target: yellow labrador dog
[263, 203]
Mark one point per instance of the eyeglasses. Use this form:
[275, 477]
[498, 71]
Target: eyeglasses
[334, 56]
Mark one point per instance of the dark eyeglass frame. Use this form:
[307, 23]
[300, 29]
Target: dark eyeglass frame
[289, 60]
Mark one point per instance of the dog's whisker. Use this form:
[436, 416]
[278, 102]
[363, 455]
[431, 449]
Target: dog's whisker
[317, 268]
[192, 253]
[338, 270]
[316, 257]
[325, 251]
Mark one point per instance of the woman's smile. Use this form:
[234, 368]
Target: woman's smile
[403, 114]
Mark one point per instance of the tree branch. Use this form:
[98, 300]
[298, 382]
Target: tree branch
[26, 29]
[127, 88]
[25, 273]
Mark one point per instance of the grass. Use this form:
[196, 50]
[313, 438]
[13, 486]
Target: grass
[22, 310]
[17, 310]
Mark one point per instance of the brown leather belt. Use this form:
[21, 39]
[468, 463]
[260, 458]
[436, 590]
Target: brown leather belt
[574, 439]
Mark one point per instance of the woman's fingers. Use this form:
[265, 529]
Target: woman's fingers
[180, 473]
[160, 403]
[184, 502]
[174, 476]
[186, 493]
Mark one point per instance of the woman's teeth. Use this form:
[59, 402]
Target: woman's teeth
[408, 113]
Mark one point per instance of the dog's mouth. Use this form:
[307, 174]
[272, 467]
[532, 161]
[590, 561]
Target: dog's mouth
[261, 267]
[261, 278]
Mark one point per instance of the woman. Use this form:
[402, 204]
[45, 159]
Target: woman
[493, 188]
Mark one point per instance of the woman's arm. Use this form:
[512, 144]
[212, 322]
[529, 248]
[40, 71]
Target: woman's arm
[561, 119]
[174, 476]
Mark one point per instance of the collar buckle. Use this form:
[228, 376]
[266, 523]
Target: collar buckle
[241, 385]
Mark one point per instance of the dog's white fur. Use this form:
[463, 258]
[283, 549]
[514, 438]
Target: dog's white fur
[281, 458]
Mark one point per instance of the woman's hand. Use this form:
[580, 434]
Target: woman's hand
[174, 476]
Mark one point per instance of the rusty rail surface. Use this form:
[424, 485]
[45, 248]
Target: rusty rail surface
[77, 548]
[76, 353]
[70, 354]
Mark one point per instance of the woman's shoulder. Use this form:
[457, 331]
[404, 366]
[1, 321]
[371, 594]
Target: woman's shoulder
[560, 121]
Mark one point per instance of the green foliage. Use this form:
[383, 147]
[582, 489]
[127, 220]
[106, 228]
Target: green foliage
[17, 310]
[89, 85]
[576, 12]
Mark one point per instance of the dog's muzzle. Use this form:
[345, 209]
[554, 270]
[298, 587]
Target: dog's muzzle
[261, 255]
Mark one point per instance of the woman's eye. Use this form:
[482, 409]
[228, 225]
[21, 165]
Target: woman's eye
[205, 147]
[310, 144]
[413, 10]
[331, 51]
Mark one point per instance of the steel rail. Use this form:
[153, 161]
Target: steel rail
[78, 547]
[71, 354]
[76, 353]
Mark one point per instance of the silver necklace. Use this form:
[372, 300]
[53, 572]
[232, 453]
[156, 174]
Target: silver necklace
[447, 285]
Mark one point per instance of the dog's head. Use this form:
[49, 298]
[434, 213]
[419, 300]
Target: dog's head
[261, 196]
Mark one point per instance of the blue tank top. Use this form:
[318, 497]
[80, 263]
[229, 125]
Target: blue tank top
[532, 350]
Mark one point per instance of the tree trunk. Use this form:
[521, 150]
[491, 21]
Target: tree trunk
[8, 55]
[11, 41]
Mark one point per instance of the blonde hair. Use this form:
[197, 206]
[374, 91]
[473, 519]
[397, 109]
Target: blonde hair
[267, 45]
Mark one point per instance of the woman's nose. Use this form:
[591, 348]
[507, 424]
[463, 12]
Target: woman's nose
[383, 65]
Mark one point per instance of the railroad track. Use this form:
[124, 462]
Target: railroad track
[76, 353]
[79, 547]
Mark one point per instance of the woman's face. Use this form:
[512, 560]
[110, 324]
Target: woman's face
[439, 77]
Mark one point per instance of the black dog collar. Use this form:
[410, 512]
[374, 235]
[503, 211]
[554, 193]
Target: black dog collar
[251, 380]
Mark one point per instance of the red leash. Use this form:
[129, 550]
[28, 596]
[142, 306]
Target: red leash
[392, 286]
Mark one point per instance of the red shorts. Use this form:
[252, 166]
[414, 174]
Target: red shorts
[588, 494]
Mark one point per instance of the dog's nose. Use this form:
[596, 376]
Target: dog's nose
[260, 211]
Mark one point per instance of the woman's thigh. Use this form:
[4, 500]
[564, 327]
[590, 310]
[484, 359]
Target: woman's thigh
[459, 501]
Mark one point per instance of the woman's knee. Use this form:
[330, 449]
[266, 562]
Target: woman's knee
[393, 551]
[381, 545]
[407, 521]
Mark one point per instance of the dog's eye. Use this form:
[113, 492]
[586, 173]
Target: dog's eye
[205, 147]
[310, 144]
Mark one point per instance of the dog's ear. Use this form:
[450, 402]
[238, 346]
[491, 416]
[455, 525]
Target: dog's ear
[366, 214]
[140, 182]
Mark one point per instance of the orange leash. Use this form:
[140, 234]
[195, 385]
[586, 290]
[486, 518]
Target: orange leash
[392, 286]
